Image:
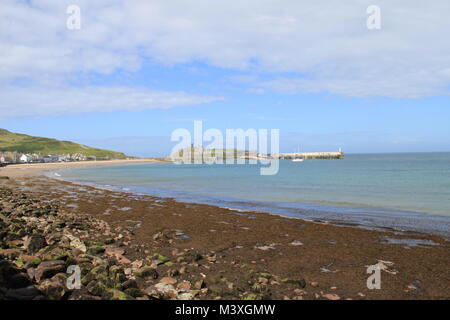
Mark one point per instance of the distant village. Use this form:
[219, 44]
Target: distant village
[16, 157]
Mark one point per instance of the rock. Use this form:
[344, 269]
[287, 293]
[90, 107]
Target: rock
[167, 290]
[114, 294]
[190, 256]
[114, 252]
[183, 270]
[96, 249]
[160, 257]
[34, 243]
[28, 293]
[19, 263]
[137, 264]
[265, 275]
[53, 289]
[7, 270]
[117, 274]
[153, 293]
[261, 288]
[134, 292]
[314, 284]
[19, 280]
[128, 271]
[48, 269]
[77, 295]
[32, 261]
[158, 236]
[300, 292]
[76, 243]
[31, 272]
[200, 284]
[252, 296]
[99, 270]
[413, 287]
[147, 272]
[129, 284]
[168, 280]
[55, 253]
[10, 254]
[97, 288]
[300, 283]
[185, 285]
[123, 260]
[185, 296]
[173, 273]
[331, 296]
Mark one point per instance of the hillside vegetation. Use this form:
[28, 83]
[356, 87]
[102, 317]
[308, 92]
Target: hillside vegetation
[23, 143]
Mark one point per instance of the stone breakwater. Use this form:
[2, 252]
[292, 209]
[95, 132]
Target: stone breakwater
[39, 241]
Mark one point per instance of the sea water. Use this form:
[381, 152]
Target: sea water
[404, 191]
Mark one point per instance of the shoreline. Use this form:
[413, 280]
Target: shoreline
[36, 169]
[418, 222]
[411, 221]
[371, 218]
[320, 261]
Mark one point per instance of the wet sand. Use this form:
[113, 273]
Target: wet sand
[332, 260]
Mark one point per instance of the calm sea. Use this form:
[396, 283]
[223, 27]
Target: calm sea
[402, 191]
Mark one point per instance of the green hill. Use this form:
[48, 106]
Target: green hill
[23, 143]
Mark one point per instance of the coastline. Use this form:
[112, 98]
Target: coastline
[367, 217]
[36, 169]
[321, 261]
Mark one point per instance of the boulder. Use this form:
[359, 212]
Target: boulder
[54, 288]
[48, 269]
[27, 293]
[129, 284]
[19, 280]
[34, 243]
[97, 288]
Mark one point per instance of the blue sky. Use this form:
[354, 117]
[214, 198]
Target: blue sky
[127, 85]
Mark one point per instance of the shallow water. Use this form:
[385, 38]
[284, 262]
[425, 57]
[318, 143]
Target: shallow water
[401, 191]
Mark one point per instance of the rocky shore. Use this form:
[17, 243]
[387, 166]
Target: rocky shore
[39, 242]
[140, 247]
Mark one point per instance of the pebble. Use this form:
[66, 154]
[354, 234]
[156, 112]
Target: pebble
[168, 280]
[331, 296]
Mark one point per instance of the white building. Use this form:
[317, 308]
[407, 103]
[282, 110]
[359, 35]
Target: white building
[25, 158]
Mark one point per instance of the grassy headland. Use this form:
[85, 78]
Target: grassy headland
[23, 143]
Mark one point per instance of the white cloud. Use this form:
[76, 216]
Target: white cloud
[39, 101]
[324, 46]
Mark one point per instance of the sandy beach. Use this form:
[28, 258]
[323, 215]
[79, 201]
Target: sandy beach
[36, 169]
[241, 255]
